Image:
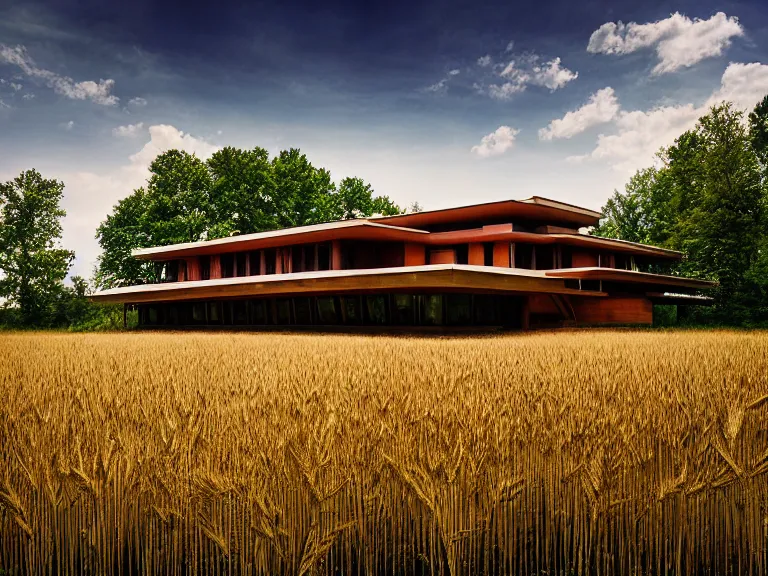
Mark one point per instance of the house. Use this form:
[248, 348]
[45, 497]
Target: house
[515, 264]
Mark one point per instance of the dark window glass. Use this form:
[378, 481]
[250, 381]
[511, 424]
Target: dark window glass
[488, 254]
[205, 267]
[323, 256]
[403, 309]
[255, 263]
[303, 310]
[376, 309]
[258, 312]
[431, 310]
[326, 310]
[283, 311]
[269, 257]
[227, 265]
[485, 310]
[524, 256]
[351, 312]
[544, 258]
[566, 256]
[172, 271]
[198, 313]
[214, 312]
[462, 253]
[459, 309]
[240, 312]
[240, 259]
[153, 315]
[173, 315]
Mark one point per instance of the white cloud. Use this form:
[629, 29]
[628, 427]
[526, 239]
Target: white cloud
[16, 87]
[679, 41]
[552, 75]
[484, 61]
[602, 107]
[437, 86]
[640, 133]
[128, 131]
[68, 125]
[138, 101]
[28, 96]
[527, 72]
[3, 104]
[98, 92]
[454, 72]
[497, 142]
[510, 46]
[89, 197]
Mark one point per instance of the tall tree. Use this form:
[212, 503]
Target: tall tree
[32, 263]
[758, 129]
[234, 192]
[242, 192]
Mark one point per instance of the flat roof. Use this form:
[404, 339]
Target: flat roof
[432, 276]
[534, 208]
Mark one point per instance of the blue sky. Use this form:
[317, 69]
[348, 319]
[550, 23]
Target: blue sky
[444, 103]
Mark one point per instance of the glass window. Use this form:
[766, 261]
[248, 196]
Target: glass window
[283, 311]
[485, 310]
[403, 309]
[205, 267]
[323, 256]
[258, 312]
[240, 312]
[269, 258]
[326, 310]
[214, 312]
[303, 310]
[227, 265]
[459, 309]
[240, 259]
[153, 315]
[351, 312]
[255, 263]
[198, 313]
[376, 309]
[432, 310]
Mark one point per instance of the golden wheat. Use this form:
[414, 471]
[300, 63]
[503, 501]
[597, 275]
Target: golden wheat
[562, 453]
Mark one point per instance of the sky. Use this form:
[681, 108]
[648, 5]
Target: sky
[440, 103]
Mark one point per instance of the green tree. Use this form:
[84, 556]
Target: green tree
[32, 263]
[234, 192]
[242, 192]
[356, 200]
[758, 130]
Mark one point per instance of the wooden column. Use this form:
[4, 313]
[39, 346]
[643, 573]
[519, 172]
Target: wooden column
[414, 254]
[442, 256]
[279, 261]
[262, 263]
[215, 267]
[193, 269]
[247, 264]
[501, 254]
[181, 267]
[336, 255]
[476, 255]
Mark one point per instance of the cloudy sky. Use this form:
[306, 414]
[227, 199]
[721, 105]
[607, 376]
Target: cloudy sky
[444, 103]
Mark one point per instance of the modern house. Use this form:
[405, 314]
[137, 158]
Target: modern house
[515, 264]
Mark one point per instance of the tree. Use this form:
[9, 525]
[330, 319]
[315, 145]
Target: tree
[708, 201]
[234, 192]
[32, 263]
[758, 129]
[242, 192]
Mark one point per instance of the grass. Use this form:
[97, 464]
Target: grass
[581, 452]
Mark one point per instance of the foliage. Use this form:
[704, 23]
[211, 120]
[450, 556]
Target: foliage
[32, 265]
[234, 192]
[592, 453]
[708, 200]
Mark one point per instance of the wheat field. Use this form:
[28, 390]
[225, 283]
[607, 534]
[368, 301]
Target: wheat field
[563, 453]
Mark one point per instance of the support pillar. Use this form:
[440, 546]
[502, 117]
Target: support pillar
[501, 254]
[215, 267]
[476, 254]
[336, 255]
[525, 315]
[414, 254]
[193, 269]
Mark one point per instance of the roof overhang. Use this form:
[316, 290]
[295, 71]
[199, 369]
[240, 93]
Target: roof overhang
[630, 276]
[443, 277]
[534, 208]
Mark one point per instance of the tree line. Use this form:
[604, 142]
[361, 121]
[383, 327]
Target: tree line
[707, 197]
[185, 199]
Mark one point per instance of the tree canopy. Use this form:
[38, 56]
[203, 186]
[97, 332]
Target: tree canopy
[708, 199]
[32, 264]
[234, 192]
